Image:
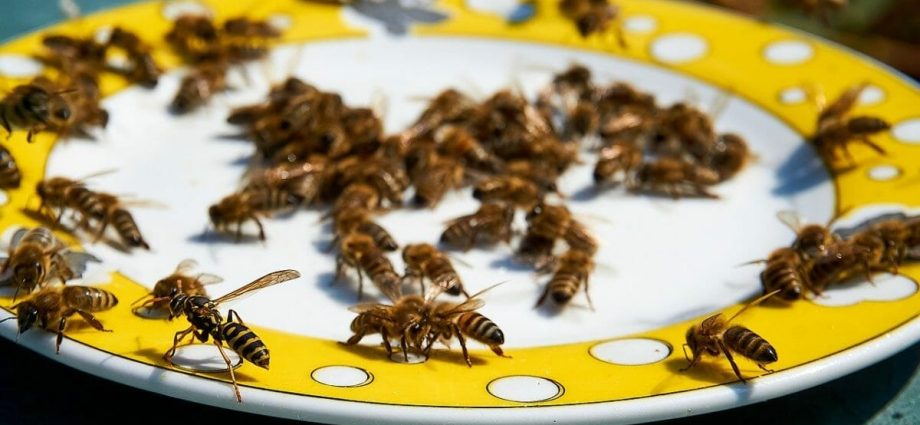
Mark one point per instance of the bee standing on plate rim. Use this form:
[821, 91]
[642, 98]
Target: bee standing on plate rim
[51, 306]
[36, 106]
[179, 282]
[36, 256]
[207, 323]
[835, 130]
[714, 335]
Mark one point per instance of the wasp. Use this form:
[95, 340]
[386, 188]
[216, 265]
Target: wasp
[52, 306]
[491, 223]
[715, 335]
[206, 322]
[181, 281]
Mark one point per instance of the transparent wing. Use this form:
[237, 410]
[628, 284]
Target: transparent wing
[77, 261]
[208, 278]
[17, 237]
[369, 307]
[843, 104]
[790, 219]
[468, 305]
[186, 266]
[270, 279]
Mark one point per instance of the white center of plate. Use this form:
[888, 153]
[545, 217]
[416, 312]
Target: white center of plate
[660, 260]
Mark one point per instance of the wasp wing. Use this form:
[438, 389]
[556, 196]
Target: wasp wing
[270, 279]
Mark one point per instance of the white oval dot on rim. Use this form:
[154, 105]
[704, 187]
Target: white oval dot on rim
[884, 172]
[174, 9]
[398, 357]
[342, 376]
[907, 131]
[640, 23]
[3, 197]
[679, 48]
[872, 95]
[788, 52]
[280, 21]
[631, 352]
[792, 96]
[204, 358]
[525, 389]
[19, 66]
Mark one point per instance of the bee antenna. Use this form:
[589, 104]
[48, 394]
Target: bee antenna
[752, 304]
[761, 261]
[488, 289]
[8, 318]
[141, 299]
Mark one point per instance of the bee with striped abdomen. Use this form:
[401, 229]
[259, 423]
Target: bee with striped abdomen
[573, 270]
[556, 222]
[491, 223]
[10, 176]
[181, 281]
[206, 322]
[36, 256]
[359, 251]
[836, 130]
[714, 336]
[516, 191]
[425, 261]
[52, 306]
[675, 177]
[350, 221]
[251, 203]
[785, 272]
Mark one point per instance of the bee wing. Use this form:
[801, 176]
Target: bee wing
[791, 219]
[185, 266]
[368, 307]
[17, 237]
[208, 278]
[77, 261]
[751, 304]
[843, 104]
[270, 279]
[468, 305]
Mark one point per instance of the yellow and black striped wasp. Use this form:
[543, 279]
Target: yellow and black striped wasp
[207, 323]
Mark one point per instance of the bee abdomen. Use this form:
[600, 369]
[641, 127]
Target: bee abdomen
[747, 343]
[10, 176]
[480, 328]
[563, 286]
[867, 125]
[457, 233]
[381, 237]
[443, 274]
[89, 299]
[784, 277]
[246, 343]
[578, 238]
[127, 228]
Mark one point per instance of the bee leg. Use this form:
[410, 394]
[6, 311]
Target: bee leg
[6, 126]
[231, 314]
[177, 338]
[239, 232]
[93, 321]
[588, 295]
[261, 229]
[466, 354]
[764, 368]
[236, 387]
[542, 297]
[60, 331]
[731, 360]
[386, 341]
[690, 363]
[360, 284]
[404, 345]
[868, 142]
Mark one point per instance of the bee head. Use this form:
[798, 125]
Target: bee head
[28, 274]
[215, 213]
[535, 211]
[26, 315]
[691, 340]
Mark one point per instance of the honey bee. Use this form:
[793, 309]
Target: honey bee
[356, 196]
[457, 142]
[10, 176]
[675, 177]
[62, 193]
[206, 322]
[66, 51]
[491, 223]
[419, 323]
[715, 335]
[684, 129]
[120, 219]
[251, 203]
[199, 86]
[36, 256]
[388, 178]
[629, 125]
[302, 179]
[572, 272]
[893, 230]
[812, 240]
[536, 250]
[556, 222]
[142, 68]
[592, 16]
[36, 106]
[617, 161]
[359, 251]
[425, 261]
[179, 282]
[513, 190]
[728, 156]
[245, 27]
[836, 130]
[433, 175]
[350, 221]
[52, 306]
[842, 260]
[448, 107]
[785, 273]
[193, 36]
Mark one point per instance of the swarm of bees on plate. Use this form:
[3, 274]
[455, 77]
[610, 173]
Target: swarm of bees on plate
[312, 150]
